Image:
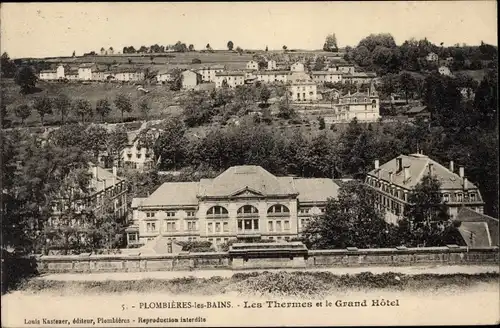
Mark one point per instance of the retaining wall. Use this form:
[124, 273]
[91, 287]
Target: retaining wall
[315, 259]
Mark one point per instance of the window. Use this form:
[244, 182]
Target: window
[248, 209]
[190, 213]
[446, 197]
[138, 155]
[256, 224]
[226, 226]
[191, 225]
[459, 197]
[210, 227]
[240, 225]
[270, 225]
[170, 226]
[304, 211]
[472, 197]
[298, 95]
[278, 225]
[170, 214]
[287, 225]
[217, 210]
[278, 208]
[217, 227]
[151, 226]
[150, 214]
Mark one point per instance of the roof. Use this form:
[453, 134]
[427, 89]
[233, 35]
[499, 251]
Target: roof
[272, 72]
[48, 71]
[316, 189]
[416, 109]
[189, 72]
[230, 73]
[360, 74]
[216, 66]
[251, 178]
[165, 71]
[104, 180]
[418, 166]
[86, 65]
[299, 76]
[137, 201]
[326, 73]
[173, 194]
[466, 215]
[475, 234]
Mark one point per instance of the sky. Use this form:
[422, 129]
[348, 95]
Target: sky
[58, 29]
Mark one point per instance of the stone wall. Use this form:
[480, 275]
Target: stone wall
[352, 257]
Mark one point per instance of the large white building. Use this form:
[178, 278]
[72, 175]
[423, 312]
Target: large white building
[326, 76]
[244, 202]
[363, 106]
[272, 76]
[52, 74]
[395, 180]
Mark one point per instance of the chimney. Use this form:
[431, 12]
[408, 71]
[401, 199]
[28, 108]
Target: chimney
[466, 184]
[399, 164]
[377, 164]
[461, 171]
[431, 169]
[390, 177]
[406, 173]
[452, 166]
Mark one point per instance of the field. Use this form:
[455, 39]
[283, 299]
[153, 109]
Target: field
[278, 298]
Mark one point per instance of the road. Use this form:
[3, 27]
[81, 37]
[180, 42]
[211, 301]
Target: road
[165, 275]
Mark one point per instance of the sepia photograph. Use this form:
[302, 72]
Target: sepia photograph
[190, 164]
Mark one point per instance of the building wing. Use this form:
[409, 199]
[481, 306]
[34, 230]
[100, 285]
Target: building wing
[173, 194]
[316, 189]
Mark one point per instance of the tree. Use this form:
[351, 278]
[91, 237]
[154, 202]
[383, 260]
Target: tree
[7, 66]
[208, 47]
[83, 108]
[285, 48]
[62, 104]
[321, 122]
[23, 112]
[191, 47]
[286, 111]
[330, 43]
[74, 54]
[407, 83]
[198, 109]
[171, 143]
[95, 140]
[196, 61]
[239, 50]
[43, 105]
[117, 140]
[319, 65]
[349, 221]
[145, 108]
[122, 102]
[267, 49]
[103, 108]
[230, 45]
[264, 94]
[26, 79]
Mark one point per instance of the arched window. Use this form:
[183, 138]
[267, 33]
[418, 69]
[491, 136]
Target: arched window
[374, 103]
[278, 209]
[217, 210]
[247, 209]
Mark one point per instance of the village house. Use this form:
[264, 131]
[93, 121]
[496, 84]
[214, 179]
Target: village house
[190, 79]
[134, 155]
[418, 111]
[432, 57]
[395, 180]
[272, 76]
[127, 74]
[302, 90]
[359, 77]
[271, 65]
[85, 71]
[326, 76]
[244, 203]
[165, 75]
[477, 229]
[208, 72]
[52, 74]
[363, 106]
[342, 67]
[71, 74]
[252, 65]
[297, 67]
[230, 79]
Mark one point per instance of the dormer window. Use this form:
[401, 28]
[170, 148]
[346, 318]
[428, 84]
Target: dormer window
[446, 198]
[472, 197]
